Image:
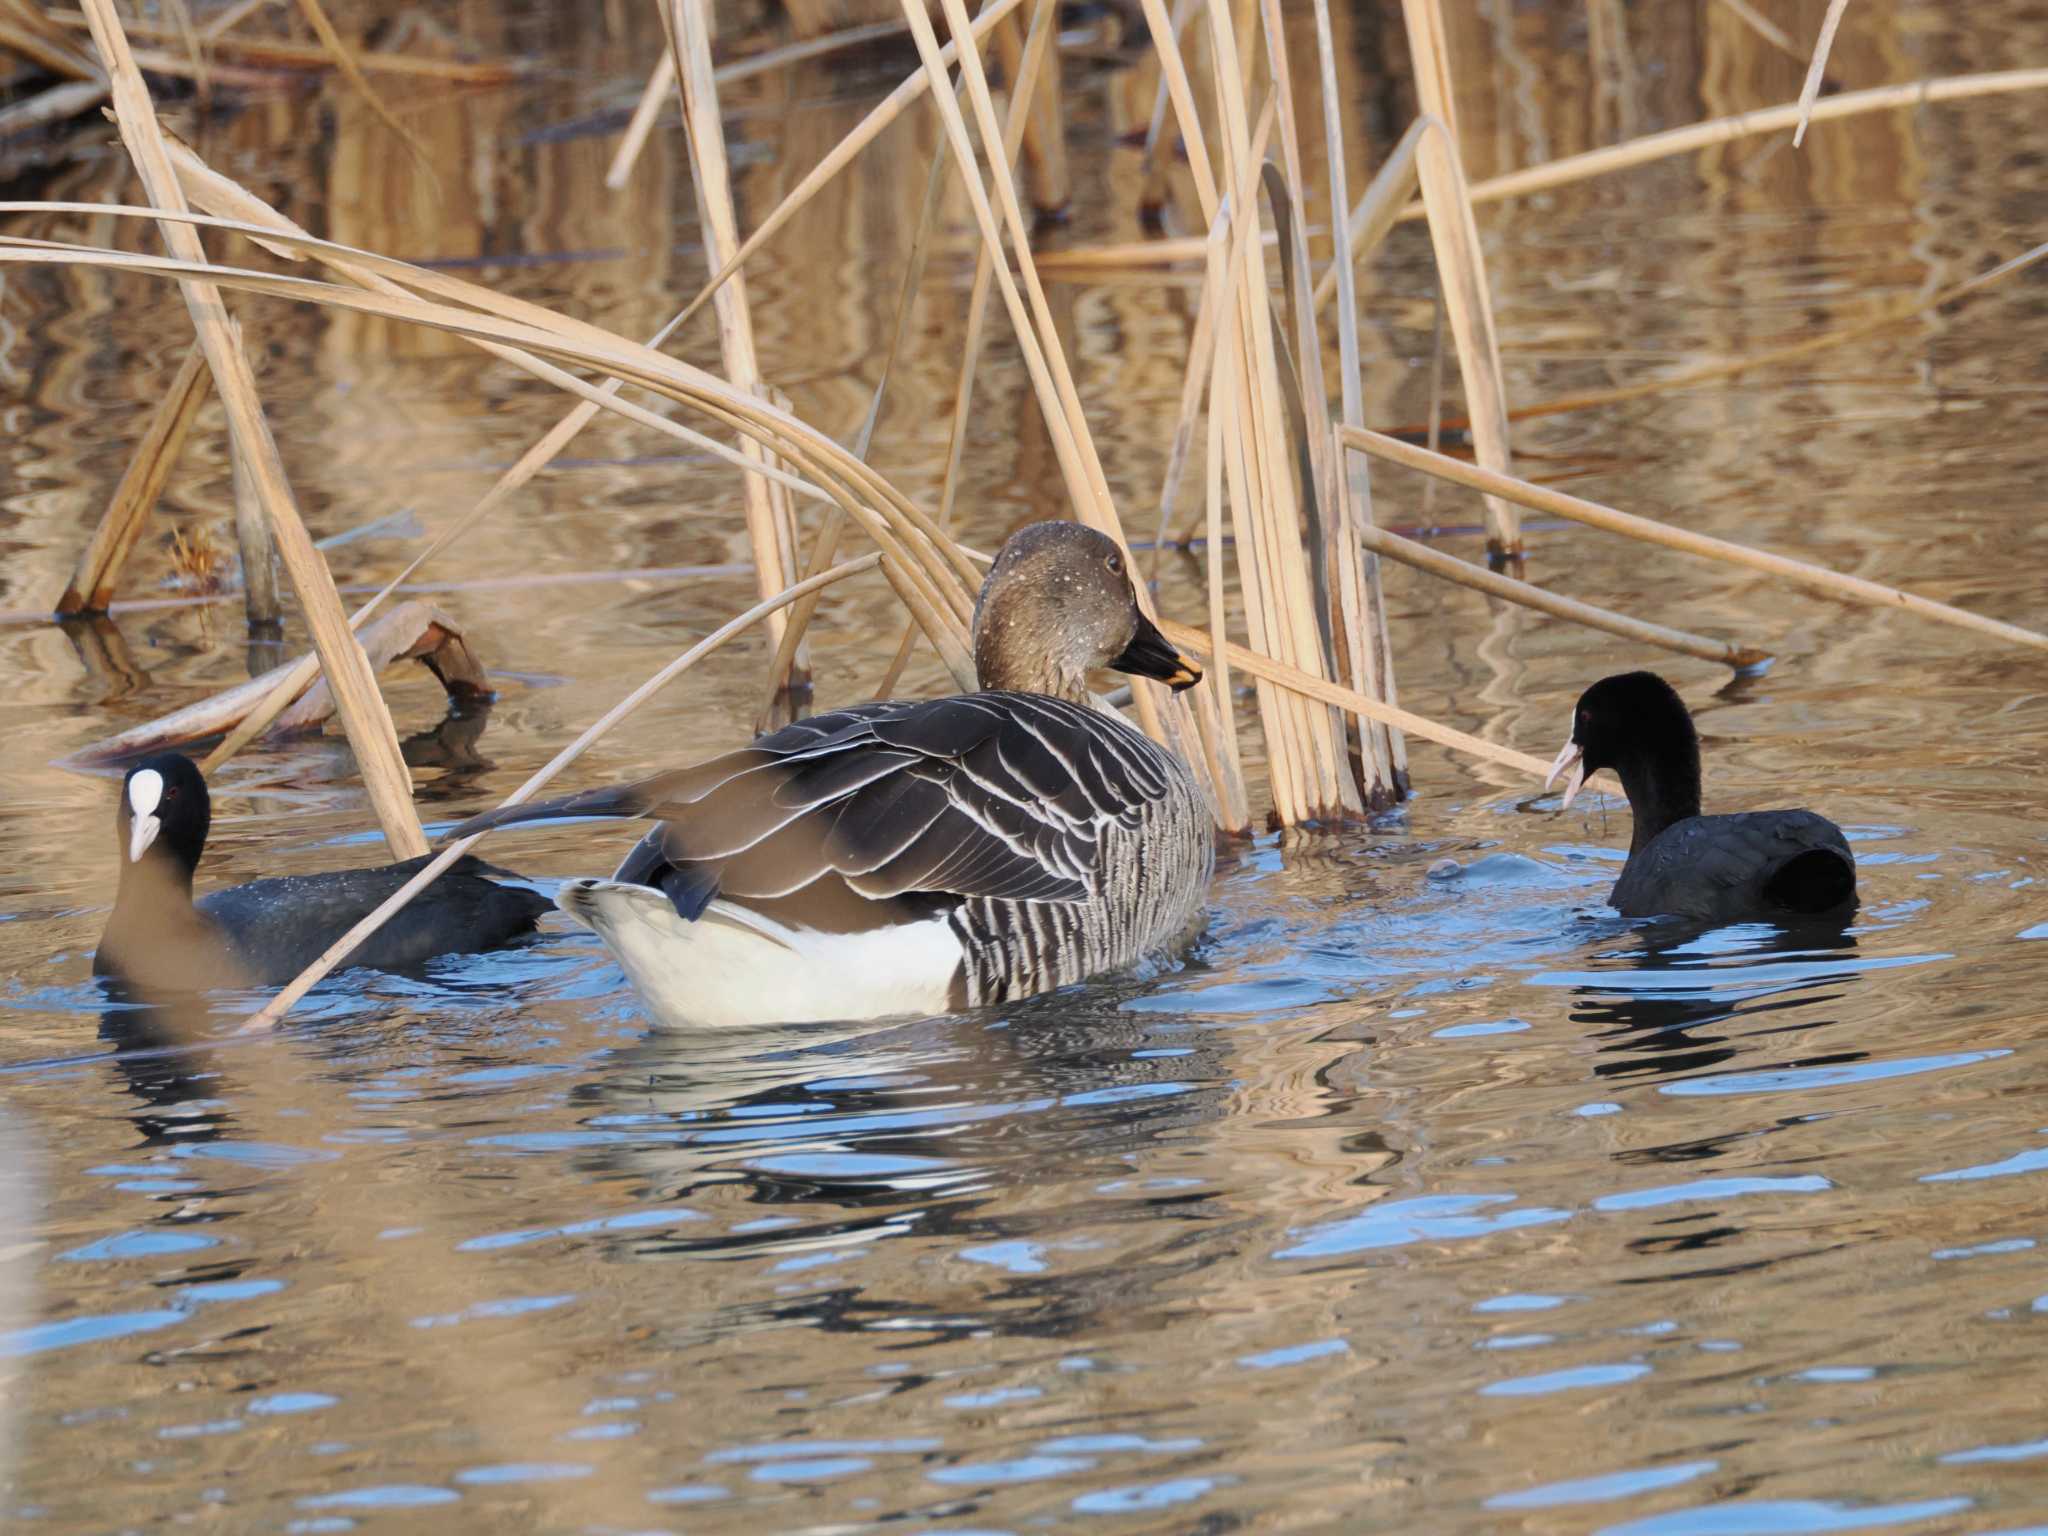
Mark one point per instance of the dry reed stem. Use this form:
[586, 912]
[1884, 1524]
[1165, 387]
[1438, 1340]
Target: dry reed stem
[771, 530]
[1899, 313]
[1173, 73]
[1377, 211]
[1076, 262]
[253, 217]
[1166, 43]
[345, 61]
[826, 545]
[1764, 27]
[864, 133]
[654, 95]
[32, 36]
[640, 127]
[1460, 264]
[1335, 603]
[363, 713]
[1813, 578]
[260, 603]
[1809, 91]
[940, 563]
[1907, 309]
[120, 525]
[1286, 774]
[1294, 680]
[342, 947]
[218, 26]
[1311, 759]
[1357, 599]
[1045, 138]
[1058, 401]
[1411, 553]
[924, 566]
[1025, 82]
[52, 106]
[1232, 799]
[1725, 130]
[306, 56]
[1216, 286]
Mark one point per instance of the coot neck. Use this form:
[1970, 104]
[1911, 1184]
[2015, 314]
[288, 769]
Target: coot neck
[1663, 788]
[159, 876]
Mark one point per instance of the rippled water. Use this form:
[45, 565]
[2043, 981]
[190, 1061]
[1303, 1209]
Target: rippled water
[1418, 1199]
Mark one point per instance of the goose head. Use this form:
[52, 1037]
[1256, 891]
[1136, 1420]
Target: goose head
[1057, 605]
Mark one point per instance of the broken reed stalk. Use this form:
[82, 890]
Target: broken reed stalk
[1294, 680]
[1809, 91]
[1421, 557]
[1813, 578]
[120, 525]
[1726, 130]
[344, 946]
[771, 526]
[363, 713]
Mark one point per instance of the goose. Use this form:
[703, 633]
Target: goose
[920, 856]
[1723, 869]
[159, 940]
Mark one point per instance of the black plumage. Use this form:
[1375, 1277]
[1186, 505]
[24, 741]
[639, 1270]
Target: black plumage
[1776, 865]
[265, 932]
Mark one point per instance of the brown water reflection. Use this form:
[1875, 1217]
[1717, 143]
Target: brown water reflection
[1409, 1204]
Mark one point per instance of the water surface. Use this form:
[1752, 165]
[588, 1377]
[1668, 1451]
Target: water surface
[1408, 1203]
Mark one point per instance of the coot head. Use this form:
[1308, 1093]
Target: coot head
[1636, 724]
[1056, 605]
[164, 813]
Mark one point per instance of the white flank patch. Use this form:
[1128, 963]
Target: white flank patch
[733, 968]
[145, 794]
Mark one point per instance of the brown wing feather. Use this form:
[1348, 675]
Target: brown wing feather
[992, 795]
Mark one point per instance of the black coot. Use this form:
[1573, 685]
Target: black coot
[266, 932]
[1724, 869]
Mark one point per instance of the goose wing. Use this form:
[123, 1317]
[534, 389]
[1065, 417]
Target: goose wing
[998, 795]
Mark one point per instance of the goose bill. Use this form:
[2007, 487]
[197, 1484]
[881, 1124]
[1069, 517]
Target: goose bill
[1151, 654]
[1572, 763]
[145, 794]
